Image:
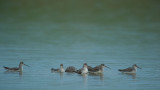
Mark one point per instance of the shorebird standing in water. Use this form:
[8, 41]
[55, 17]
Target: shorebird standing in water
[61, 69]
[83, 70]
[98, 69]
[16, 69]
[132, 69]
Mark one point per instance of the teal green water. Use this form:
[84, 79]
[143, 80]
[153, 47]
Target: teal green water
[46, 33]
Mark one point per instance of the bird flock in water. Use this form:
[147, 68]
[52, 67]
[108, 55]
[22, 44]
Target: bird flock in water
[84, 70]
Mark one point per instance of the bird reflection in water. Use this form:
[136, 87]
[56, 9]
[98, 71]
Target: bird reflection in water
[61, 75]
[85, 79]
[101, 75]
[10, 72]
[133, 75]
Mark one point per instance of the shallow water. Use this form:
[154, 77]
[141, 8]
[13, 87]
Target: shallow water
[46, 34]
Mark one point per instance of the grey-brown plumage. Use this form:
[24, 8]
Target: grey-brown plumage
[132, 69]
[98, 69]
[61, 69]
[78, 71]
[70, 69]
[83, 70]
[90, 68]
[11, 69]
[18, 69]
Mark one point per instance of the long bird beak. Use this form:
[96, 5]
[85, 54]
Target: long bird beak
[139, 67]
[26, 65]
[107, 67]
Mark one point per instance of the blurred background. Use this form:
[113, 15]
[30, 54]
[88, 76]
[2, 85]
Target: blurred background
[66, 22]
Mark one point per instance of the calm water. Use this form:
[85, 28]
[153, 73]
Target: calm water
[45, 34]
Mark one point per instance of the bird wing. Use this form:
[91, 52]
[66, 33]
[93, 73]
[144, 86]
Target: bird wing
[79, 71]
[126, 70]
[8, 68]
[54, 69]
[70, 69]
[90, 68]
[95, 69]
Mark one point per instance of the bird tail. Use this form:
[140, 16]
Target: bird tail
[5, 67]
[120, 70]
[78, 71]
